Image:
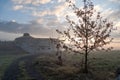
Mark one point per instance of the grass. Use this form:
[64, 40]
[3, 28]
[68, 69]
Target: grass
[48, 68]
[23, 73]
[105, 64]
[102, 66]
[6, 60]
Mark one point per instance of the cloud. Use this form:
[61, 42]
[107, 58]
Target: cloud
[34, 2]
[50, 14]
[44, 1]
[115, 15]
[107, 13]
[98, 8]
[18, 7]
[35, 27]
[41, 8]
[47, 13]
[13, 20]
[41, 13]
[58, 10]
[117, 1]
[61, 0]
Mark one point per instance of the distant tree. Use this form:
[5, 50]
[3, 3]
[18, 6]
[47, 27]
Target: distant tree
[57, 44]
[87, 33]
[59, 54]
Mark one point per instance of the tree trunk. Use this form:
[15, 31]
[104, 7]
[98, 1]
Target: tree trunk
[60, 61]
[86, 62]
[86, 45]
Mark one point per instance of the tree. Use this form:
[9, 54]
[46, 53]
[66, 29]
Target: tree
[89, 32]
[59, 54]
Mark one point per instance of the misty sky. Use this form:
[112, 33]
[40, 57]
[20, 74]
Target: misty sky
[42, 17]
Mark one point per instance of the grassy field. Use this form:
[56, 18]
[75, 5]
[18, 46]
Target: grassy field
[105, 64]
[102, 66]
[6, 60]
[23, 73]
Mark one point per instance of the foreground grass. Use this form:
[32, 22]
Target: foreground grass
[6, 60]
[102, 66]
[48, 68]
[23, 72]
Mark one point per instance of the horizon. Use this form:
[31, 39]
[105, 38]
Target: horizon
[115, 47]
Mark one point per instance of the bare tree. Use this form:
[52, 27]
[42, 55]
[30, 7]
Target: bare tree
[89, 32]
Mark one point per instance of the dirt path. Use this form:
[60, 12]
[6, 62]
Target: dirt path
[13, 70]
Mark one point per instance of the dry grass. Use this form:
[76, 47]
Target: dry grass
[102, 66]
[48, 68]
[6, 60]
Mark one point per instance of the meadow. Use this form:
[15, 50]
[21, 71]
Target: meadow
[102, 66]
[6, 59]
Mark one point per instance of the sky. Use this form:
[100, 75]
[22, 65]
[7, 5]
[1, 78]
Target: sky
[41, 18]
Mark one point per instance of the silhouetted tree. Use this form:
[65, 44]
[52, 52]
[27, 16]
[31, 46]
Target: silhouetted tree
[59, 54]
[58, 50]
[87, 33]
